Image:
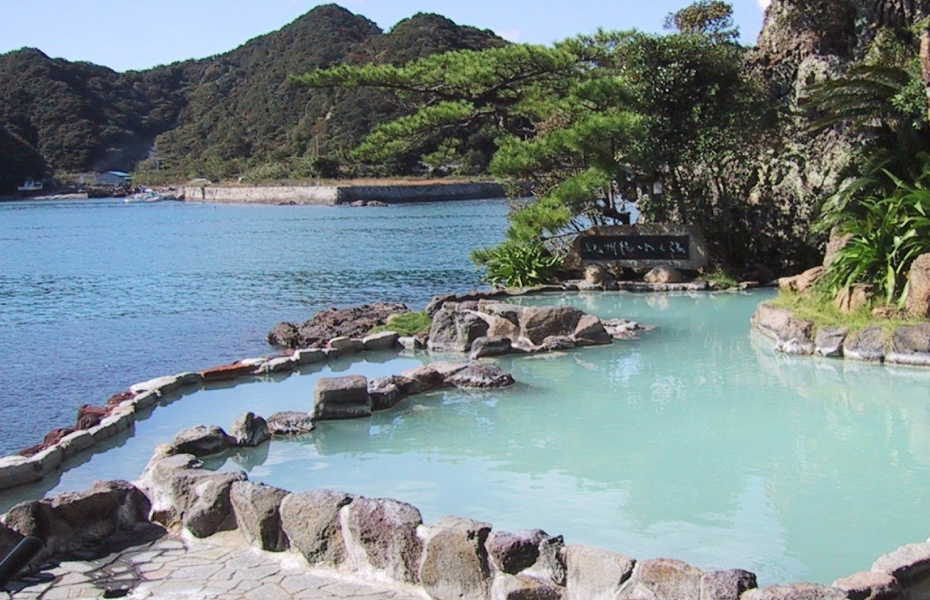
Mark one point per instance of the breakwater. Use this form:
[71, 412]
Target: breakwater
[333, 195]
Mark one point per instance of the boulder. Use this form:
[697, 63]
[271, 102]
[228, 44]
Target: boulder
[227, 372]
[201, 440]
[183, 495]
[281, 364]
[75, 523]
[869, 585]
[595, 274]
[353, 322]
[509, 587]
[290, 422]
[534, 554]
[830, 340]
[454, 329]
[789, 332]
[503, 319]
[836, 243]
[918, 293]
[622, 329]
[540, 322]
[868, 345]
[249, 430]
[386, 340]
[490, 346]
[666, 578]
[311, 522]
[801, 284]
[159, 385]
[91, 416]
[381, 535]
[595, 574]
[342, 398]
[257, 510]
[556, 343]
[664, 274]
[309, 356]
[447, 369]
[386, 392]
[590, 331]
[478, 376]
[852, 299]
[726, 585]
[455, 563]
[908, 564]
[795, 591]
[344, 345]
[428, 377]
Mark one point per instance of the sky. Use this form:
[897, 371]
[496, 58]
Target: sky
[139, 34]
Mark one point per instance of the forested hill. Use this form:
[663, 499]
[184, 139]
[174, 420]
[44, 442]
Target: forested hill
[217, 117]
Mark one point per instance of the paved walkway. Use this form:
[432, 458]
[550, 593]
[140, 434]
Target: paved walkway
[221, 567]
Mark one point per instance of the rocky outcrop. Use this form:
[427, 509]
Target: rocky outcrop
[342, 398]
[311, 521]
[80, 522]
[488, 328]
[290, 422]
[257, 509]
[354, 322]
[791, 334]
[918, 294]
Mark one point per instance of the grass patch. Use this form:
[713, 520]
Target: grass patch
[824, 313]
[721, 279]
[408, 323]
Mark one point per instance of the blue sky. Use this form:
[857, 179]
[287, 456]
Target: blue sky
[138, 34]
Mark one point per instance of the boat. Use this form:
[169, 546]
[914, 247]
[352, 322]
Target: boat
[30, 186]
[147, 195]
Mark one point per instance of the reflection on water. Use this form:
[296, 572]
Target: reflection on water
[696, 442]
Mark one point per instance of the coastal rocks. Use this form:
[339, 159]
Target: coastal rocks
[380, 535]
[829, 341]
[479, 376]
[795, 591]
[455, 330]
[869, 585]
[726, 585]
[289, 422]
[257, 508]
[386, 392]
[342, 398]
[249, 430]
[664, 274]
[184, 495]
[909, 564]
[528, 554]
[311, 522]
[791, 334]
[488, 328]
[490, 346]
[854, 298]
[918, 294]
[80, 522]
[227, 372]
[201, 440]
[801, 284]
[867, 345]
[354, 322]
[664, 578]
[379, 341]
[595, 574]
[455, 562]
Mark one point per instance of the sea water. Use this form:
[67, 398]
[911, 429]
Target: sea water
[695, 441]
[96, 295]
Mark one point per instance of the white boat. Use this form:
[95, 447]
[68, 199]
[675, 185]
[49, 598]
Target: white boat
[30, 186]
[147, 195]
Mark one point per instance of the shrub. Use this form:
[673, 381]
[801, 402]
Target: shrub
[517, 264]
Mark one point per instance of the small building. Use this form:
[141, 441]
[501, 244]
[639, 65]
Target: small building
[117, 178]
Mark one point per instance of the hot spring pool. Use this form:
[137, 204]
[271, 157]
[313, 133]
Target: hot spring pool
[695, 442]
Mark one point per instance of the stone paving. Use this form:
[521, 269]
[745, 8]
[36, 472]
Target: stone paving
[223, 566]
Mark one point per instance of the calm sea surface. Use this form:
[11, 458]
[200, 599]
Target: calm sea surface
[96, 295]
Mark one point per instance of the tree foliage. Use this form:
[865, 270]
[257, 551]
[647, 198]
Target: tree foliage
[712, 18]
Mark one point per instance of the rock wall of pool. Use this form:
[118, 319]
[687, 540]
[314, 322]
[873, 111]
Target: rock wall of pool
[233, 480]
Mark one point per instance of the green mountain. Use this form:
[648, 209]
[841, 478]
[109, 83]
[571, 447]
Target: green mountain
[215, 117]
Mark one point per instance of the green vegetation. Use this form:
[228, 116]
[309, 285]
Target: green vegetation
[824, 313]
[517, 264]
[408, 323]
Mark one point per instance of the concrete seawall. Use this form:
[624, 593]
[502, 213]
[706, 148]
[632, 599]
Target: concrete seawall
[332, 195]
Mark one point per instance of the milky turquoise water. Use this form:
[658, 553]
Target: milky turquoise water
[695, 442]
